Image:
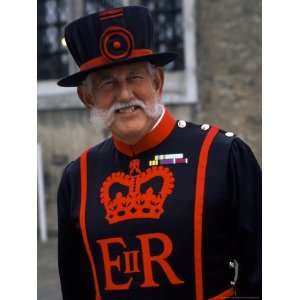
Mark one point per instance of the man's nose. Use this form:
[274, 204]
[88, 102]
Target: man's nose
[125, 93]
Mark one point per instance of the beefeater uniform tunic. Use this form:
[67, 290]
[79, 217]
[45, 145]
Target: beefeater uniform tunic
[163, 219]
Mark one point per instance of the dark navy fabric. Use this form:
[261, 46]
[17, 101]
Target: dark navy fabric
[231, 221]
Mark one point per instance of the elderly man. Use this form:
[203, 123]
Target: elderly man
[163, 209]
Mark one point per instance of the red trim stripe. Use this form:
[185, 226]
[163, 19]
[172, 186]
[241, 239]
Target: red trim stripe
[111, 17]
[83, 199]
[102, 60]
[228, 293]
[111, 12]
[198, 210]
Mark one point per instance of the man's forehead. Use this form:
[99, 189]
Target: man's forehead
[121, 69]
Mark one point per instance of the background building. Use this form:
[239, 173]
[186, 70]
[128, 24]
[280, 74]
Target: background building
[216, 80]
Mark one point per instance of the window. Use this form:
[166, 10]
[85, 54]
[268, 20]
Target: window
[167, 15]
[174, 23]
[52, 55]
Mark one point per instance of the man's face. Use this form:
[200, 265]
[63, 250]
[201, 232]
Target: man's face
[126, 93]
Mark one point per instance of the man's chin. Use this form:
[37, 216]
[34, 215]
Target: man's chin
[131, 130]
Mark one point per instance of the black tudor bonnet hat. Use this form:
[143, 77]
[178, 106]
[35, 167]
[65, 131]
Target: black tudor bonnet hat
[111, 37]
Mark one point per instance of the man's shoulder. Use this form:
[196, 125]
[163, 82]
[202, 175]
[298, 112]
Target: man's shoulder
[194, 131]
[73, 167]
[102, 148]
[225, 144]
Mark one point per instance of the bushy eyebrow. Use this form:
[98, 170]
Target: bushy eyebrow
[108, 76]
[103, 77]
[136, 71]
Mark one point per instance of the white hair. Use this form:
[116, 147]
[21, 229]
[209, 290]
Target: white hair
[88, 83]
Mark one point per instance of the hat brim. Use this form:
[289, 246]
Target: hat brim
[158, 59]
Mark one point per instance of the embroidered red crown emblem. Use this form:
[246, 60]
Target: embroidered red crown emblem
[134, 204]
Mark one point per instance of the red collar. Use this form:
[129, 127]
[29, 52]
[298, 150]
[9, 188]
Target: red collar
[151, 139]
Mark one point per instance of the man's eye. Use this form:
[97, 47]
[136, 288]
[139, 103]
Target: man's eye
[107, 83]
[136, 77]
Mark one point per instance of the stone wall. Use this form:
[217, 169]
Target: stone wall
[229, 67]
[64, 134]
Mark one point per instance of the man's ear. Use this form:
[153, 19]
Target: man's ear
[85, 97]
[159, 79]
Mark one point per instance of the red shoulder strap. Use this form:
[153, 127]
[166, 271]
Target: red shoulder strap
[83, 199]
[198, 209]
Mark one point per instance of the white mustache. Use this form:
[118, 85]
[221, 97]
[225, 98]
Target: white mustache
[119, 105]
[107, 116]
